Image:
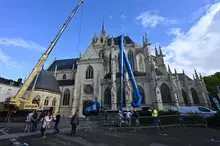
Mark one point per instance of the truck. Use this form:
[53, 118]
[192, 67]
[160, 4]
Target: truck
[92, 109]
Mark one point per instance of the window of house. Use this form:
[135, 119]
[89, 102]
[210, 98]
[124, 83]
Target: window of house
[54, 102]
[64, 76]
[36, 100]
[9, 91]
[66, 97]
[11, 83]
[89, 72]
[46, 102]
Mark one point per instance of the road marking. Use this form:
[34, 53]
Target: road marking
[78, 140]
[157, 144]
[61, 142]
[212, 140]
[163, 134]
[14, 139]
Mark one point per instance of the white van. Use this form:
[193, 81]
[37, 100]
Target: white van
[201, 110]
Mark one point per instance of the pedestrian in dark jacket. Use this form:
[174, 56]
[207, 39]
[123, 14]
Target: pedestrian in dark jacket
[74, 122]
[57, 121]
[34, 121]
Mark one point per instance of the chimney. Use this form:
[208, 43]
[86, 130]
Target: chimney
[20, 80]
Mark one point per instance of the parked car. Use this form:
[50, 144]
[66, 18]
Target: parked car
[200, 110]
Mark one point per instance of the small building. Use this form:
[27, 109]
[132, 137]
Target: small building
[46, 92]
[9, 88]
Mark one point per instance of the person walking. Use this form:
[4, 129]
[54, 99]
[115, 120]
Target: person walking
[74, 122]
[34, 121]
[28, 122]
[46, 124]
[57, 121]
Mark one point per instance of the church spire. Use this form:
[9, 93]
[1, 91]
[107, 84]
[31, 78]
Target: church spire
[193, 77]
[156, 53]
[161, 53]
[146, 41]
[175, 71]
[169, 70]
[176, 74]
[183, 72]
[103, 26]
[200, 76]
[112, 42]
[197, 77]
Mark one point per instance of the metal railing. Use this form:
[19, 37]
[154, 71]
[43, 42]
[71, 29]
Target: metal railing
[114, 122]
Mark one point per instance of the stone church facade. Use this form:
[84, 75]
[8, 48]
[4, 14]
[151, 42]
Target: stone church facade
[95, 74]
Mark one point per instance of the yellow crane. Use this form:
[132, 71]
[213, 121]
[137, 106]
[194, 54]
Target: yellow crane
[18, 100]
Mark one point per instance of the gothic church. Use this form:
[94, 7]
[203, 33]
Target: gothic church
[95, 74]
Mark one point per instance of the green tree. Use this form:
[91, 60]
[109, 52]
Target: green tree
[211, 83]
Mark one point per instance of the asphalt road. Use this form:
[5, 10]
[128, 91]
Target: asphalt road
[148, 137]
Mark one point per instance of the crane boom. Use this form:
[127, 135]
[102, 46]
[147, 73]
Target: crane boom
[41, 61]
[136, 102]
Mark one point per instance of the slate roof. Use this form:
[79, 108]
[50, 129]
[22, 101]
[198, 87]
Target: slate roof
[63, 64]
[8, 81]
[46, 81]
[117, 40]
[136, 74]
[158, 72]
[181, 77]
[66, 82]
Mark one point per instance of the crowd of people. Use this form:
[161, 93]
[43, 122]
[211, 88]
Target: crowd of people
[45, 118]
[124, 117]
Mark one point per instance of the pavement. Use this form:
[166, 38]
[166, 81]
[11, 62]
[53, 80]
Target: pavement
[18, 127]
[101, 136]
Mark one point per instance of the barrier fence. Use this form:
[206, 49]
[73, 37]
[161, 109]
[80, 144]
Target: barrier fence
[85, 123]
[115, 122]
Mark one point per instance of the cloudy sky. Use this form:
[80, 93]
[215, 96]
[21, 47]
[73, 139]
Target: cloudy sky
[187, 30]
